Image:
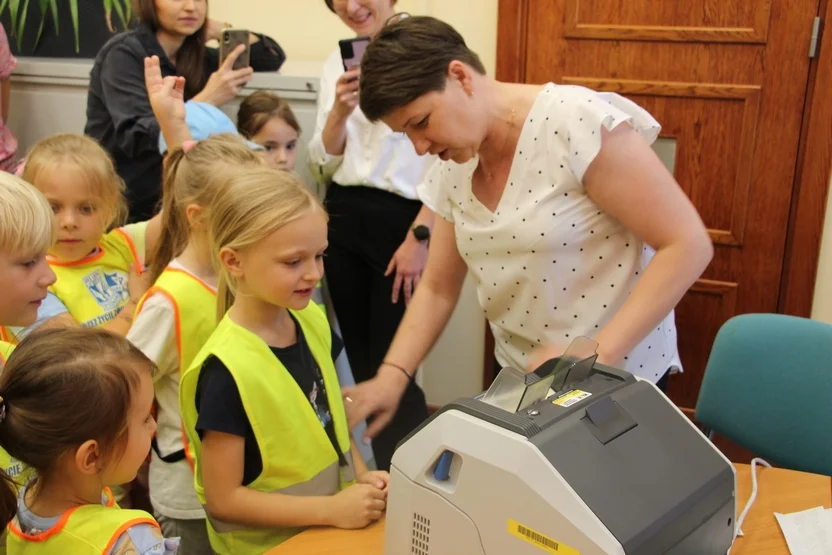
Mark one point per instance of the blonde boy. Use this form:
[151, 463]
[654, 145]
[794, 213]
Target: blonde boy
[27, 230]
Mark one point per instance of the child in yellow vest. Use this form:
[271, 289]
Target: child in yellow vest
[27, 230]
[98, 266]
[177, 316]
[261, 403]
[75, 406]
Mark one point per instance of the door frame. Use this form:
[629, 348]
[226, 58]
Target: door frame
[812, 175]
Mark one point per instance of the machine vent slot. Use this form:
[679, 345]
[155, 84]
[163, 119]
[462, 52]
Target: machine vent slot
[421, 535]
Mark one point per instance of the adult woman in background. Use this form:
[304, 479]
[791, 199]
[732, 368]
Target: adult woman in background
[549, 195]
[378, 229]
[8, 142]
[118, 111]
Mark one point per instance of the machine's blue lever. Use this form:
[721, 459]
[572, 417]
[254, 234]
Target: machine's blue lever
[442, 472]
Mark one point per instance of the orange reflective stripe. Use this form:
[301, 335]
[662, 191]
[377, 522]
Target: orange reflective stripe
[86, 260]
[43, 536]
[111, 499]
[124, 527]
[132, 248]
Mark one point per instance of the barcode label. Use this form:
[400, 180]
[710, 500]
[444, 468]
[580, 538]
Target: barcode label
[571, 398]
[539, 540]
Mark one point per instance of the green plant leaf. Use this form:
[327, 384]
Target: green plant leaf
[120, 12]
[53, 7]
[3, 4]
[73, 9]
[108, 15]
[22, 23]
[14, 8]
[44, 4]
[128, 11]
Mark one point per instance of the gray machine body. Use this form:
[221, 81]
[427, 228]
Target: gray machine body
[619, 471]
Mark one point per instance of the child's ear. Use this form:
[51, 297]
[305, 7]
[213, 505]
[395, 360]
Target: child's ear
[194, 214]
[232, 262]
[88, 458]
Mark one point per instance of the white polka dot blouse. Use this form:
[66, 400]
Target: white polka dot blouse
[548, 264]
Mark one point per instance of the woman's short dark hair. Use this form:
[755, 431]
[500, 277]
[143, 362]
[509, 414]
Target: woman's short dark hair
[329, 5]
[190, 59]
[408, 59]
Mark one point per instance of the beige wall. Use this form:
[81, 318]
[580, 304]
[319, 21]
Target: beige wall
[308, 31]
[822, 307]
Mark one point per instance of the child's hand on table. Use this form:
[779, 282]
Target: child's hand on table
[377, 478]
[356, 506]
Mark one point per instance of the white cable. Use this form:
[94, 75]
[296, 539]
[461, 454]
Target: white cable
[751, 499]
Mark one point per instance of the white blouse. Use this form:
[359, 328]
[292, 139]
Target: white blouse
[549, 265]
[374, 155]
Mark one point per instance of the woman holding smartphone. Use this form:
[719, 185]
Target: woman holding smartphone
[118, 111]
[378, 229]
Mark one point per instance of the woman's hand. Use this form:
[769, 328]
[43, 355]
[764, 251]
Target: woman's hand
[378, 397]
[408, 262]
[214, 29]
[225, 83]
[346, 94]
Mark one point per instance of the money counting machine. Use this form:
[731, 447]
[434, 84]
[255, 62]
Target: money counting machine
[575, 458]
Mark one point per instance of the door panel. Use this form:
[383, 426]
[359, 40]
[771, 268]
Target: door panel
[727, 80]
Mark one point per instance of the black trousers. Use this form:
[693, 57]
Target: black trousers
[366, 226]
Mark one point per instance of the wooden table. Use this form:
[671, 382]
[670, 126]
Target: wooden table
[784, 491]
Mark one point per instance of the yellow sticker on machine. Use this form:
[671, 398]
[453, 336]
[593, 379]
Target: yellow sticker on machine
[541, 541]
[569, 399]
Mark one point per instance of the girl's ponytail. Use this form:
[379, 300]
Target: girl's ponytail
[225, 296]
[174, 234]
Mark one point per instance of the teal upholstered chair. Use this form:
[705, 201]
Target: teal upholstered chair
[768, 387]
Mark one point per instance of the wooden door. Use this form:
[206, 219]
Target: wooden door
[727, 80]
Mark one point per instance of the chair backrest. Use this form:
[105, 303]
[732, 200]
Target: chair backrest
[768, 387]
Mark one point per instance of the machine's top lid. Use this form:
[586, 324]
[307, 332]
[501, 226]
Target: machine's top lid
[514, 390]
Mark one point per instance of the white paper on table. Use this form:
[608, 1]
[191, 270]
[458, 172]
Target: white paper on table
[807, 532]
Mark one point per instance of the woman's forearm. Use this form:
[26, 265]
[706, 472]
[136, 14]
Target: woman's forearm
[334, 134]
[424, 320]
[665, 280]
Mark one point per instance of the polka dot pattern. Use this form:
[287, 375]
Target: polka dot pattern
[548, 264]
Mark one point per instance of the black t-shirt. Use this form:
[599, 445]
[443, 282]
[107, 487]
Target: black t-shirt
[220, 407]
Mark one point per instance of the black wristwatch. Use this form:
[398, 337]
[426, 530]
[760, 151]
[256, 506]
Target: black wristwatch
[421, 232]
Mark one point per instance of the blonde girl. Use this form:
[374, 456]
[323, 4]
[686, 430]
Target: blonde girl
[176, 317]
[267, 120]
[27, 230]
[75, 406]
[261, 404]
[98, 265]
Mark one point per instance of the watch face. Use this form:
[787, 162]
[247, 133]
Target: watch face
[421, 232]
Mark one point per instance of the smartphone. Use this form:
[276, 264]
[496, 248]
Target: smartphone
[352, 50]
[231, 39]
